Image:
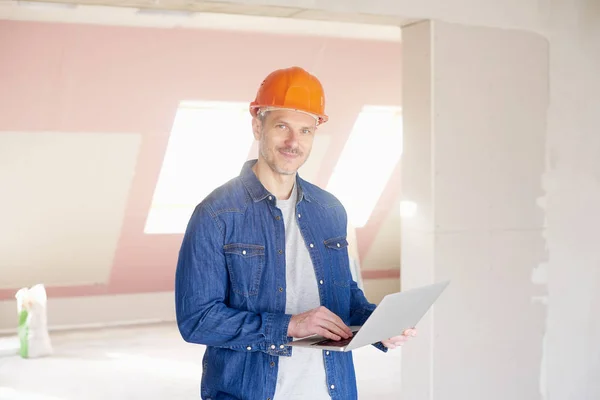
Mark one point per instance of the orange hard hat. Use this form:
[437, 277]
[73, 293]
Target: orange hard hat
[292, 89]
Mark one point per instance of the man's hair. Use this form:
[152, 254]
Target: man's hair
[262, 115]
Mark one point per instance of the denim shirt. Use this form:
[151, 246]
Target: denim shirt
[230, 286]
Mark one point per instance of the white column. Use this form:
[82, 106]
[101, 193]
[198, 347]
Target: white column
[475, 103]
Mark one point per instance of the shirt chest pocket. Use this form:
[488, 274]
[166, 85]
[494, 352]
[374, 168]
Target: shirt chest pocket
[337, 257]
[245, 263]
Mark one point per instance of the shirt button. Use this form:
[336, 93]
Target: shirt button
[281, 346]
[327, 352]
[244, 252]
[321, 281]
[272, 364]
[278, 218]
[338, 245]
[299, 215]
[281, 289]
[312, 245]
[280, 251]
[248, 348]
[332, 387]
[270, 197]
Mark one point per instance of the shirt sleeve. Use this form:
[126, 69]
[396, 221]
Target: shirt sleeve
[201, 288]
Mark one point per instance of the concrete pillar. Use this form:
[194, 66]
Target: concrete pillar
[474, 106]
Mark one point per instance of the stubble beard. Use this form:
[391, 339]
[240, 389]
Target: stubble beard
[264, 152]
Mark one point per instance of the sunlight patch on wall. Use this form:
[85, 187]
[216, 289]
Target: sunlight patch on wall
[368, 161]
[311, 169]
[208, 144]
[64, 196]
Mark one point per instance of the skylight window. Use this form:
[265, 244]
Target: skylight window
[369, 157]
[207, 146]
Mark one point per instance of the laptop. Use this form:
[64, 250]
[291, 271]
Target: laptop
[395, 313]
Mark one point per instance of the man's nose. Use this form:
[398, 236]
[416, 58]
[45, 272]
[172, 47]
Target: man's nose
[292, 138]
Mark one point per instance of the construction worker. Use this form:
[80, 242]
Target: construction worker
[264, 260]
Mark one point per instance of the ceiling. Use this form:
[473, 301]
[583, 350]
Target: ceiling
[219, 7]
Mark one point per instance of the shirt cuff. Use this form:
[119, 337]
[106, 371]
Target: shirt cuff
[380, 346]
[277, 327]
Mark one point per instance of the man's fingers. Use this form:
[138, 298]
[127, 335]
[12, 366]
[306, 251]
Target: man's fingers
[396, 341]
[331, 317]
[325, 333]
[318, 321]
[333, 328]
[399, 340]
[389, 344]
[410, 332]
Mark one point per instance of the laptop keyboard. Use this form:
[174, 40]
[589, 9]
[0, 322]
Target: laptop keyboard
[333, 343]
[336, 343]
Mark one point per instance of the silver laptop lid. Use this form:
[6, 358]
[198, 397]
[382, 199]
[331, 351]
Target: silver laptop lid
[397, 312]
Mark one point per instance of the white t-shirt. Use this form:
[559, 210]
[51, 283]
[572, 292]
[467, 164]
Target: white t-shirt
[301, 376]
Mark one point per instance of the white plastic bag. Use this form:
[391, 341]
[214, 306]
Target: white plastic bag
[33, 323]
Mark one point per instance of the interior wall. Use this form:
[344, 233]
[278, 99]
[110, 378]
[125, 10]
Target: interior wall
[85, 117]
[572, 195]
[475, 126]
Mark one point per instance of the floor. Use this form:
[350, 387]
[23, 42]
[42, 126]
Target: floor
[146, 362]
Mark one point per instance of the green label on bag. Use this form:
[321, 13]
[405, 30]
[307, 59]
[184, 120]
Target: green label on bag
[24, 334]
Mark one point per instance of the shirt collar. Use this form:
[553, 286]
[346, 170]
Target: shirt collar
[256, 189]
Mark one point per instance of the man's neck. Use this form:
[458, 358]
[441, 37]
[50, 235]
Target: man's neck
[279, 184]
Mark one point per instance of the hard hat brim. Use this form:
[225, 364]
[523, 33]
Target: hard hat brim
[255, 109]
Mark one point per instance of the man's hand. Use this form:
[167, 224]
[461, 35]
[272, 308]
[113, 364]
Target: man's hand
[319, 321]
[398, 341]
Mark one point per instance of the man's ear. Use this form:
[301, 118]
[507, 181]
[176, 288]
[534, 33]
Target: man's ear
[256, 127]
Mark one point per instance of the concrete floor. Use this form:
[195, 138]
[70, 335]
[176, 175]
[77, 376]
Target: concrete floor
[147, 362]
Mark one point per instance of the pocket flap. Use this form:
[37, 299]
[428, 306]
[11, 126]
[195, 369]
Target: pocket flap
[338, 243]
[244, 250]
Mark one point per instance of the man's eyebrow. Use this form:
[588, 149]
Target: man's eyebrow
[279, 121]
[283, 121]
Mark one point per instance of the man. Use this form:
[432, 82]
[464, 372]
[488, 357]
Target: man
[265, 260]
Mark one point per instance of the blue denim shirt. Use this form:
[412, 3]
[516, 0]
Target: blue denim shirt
[230, 286]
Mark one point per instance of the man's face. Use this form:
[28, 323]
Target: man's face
[285, 139]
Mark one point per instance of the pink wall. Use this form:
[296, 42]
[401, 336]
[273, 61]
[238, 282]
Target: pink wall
[74, 78]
